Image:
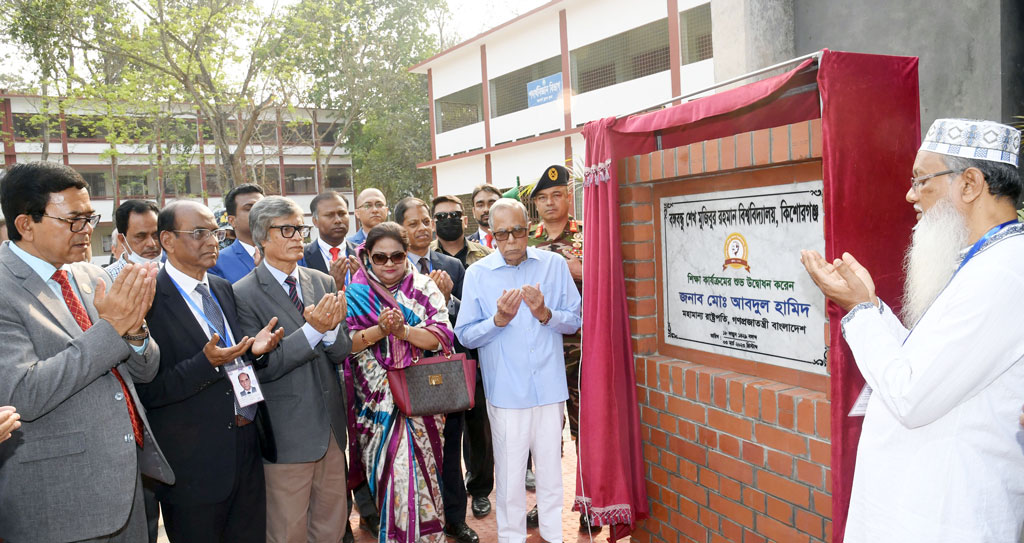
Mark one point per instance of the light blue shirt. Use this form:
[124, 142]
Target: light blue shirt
[45, 271]
[415, 259]
[358, 238]
[312, 335]
[522, 363]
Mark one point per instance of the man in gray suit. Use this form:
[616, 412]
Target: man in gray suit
[74, 342]
[306, 487]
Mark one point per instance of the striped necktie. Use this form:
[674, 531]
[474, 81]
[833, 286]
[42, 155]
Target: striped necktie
[293, 293]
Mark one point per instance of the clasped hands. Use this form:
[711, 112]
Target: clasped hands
[391, 321]
[342, 266]
[328, 314]
[844, 281]
[510, 300]
[125, 304]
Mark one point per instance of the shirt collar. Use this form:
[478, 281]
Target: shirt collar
[186, 282]
[280, 275]
[326, 247]
[42, 268]
[483, 235]
[415, 258]
[496, 260]
[248, 248]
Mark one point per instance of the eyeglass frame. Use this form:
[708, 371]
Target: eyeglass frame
[395, 258]
[368, 206]
[91, 220]
[916, 182]
[305, 228]
[219, 233]
[502, 235]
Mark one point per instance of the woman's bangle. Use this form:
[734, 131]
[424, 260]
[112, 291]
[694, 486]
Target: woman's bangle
[362, 336]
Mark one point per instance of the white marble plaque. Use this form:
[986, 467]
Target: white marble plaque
[733, 282]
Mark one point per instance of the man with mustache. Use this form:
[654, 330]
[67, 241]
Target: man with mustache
[939, 456]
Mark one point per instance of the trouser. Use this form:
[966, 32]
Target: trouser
[477, 446]
[361, 498]
[134, 530]
[453, 492]
[241, 518]
[516, 433]
[307, 501]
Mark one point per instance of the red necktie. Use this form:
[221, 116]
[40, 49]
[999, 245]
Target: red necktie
[490, 241]
[82, 318]
[334, 253]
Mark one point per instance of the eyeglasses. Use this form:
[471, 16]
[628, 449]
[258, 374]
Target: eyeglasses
[916, 182]
[77, 224]
[448, 215]
[289, 230]
[373, 205]
[381, 259]
[202, 234]
[517, 232]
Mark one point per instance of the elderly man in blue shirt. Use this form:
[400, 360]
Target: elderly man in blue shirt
[517, 303]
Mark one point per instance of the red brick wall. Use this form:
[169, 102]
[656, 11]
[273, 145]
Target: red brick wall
[734, 450]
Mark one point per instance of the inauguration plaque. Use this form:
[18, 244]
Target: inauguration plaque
[733, 280]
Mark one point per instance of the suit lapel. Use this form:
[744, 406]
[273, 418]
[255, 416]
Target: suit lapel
[88, 291]
[309, 296]
[278, 296]
[177, 306]
[51, 303]
[314, 258]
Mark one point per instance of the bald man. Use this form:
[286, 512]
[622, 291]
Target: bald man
[371, 210]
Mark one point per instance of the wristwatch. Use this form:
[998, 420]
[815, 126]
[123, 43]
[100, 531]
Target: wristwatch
[138, 337]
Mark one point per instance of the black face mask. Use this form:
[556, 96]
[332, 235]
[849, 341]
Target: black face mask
[449, 229]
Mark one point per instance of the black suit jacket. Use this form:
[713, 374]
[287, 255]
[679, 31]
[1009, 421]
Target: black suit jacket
[313, 258]
[190, 404]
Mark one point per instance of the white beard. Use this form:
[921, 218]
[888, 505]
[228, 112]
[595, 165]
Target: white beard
[932, 258]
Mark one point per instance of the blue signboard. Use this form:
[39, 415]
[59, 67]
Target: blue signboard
[544, 90]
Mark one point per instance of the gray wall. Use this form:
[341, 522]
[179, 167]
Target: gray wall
[970, 50]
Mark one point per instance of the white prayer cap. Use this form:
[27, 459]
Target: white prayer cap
[968, 138]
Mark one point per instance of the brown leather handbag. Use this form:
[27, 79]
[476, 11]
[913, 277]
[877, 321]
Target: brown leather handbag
[435, 385]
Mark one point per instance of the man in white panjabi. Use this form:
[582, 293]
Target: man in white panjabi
[941, 455]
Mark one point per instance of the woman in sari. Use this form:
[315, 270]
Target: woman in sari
[394, 314]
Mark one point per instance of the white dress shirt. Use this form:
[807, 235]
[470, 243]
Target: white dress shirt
[251, 249]
[312, 335]
[325, 250]
[189, 284]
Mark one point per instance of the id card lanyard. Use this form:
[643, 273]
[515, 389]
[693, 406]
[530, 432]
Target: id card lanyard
[222, 333]
[861, 403]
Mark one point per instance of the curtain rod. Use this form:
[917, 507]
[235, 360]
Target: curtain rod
[815, 55]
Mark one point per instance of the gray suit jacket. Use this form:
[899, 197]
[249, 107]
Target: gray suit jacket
[69, 473]
[300, 385]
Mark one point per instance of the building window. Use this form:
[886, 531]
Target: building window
[623, 57]
[99, 184]
[508, 93]
[695, 34]
[133, 185]
[459, 109]
[339, 178]
[299, 180]
[29, 126]
[85, 127]
[180, 181]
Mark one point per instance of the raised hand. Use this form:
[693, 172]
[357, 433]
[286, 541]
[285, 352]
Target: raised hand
[391, 321]
[508, 305]
[339, 269]
[125, 305]
[267, 338]
[10, 421]
[353, 263]
[844, 281]
[218, 356]
[534, 299]
[326, 315]
[444, 282]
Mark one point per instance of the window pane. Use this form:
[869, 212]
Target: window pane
[509, 93]
[623, 57]
[459, 109]
[695, 34]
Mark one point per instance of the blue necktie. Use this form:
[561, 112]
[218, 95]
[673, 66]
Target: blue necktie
[213, 312]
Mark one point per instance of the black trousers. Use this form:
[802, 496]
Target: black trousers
[242, 518]
[453, 493]
[477, 446]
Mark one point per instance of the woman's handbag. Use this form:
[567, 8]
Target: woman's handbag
[436, 385]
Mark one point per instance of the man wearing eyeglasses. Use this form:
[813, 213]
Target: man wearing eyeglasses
[135, 221]
[306, 490]
[75, 342]
[219, 496]
[517, 304]
[939, 457]
[371, 210]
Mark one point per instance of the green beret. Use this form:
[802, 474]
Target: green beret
[553, 176]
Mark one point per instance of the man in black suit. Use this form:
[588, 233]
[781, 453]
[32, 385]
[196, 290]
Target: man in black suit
[447, 272]
[210, 441]
[330, 217]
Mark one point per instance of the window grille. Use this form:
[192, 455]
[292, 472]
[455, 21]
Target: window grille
[623, 57]
[695, 34]
[459, 109]
[508, 92]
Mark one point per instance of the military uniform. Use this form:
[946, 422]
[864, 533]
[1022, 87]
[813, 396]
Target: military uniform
[568, 244]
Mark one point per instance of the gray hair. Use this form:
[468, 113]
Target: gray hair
[265, 211]
[510, 203]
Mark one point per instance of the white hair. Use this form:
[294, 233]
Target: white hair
[510, 203]
[932, 257]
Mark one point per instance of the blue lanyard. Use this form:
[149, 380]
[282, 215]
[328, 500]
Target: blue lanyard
[970, 254]
[191, 302]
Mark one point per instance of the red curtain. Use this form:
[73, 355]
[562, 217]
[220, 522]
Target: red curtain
[870, 130]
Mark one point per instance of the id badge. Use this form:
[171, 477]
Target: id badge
[860, 406]
[243, 380]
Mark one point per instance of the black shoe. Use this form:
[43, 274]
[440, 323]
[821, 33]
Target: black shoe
[531, 481]
[370, 523]
[349, 536]
[587, 527]
[533, 518]
[461, 533]
[481, 507]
